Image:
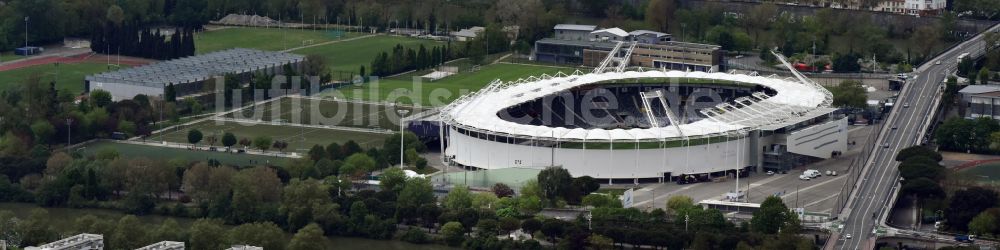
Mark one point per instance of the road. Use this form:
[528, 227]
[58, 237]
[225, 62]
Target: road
[872, 198]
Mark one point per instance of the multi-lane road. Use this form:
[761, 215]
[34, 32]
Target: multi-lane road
[906, 126]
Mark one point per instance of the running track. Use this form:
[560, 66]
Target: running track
[78, 58]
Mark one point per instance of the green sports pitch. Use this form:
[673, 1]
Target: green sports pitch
[299, 138]
[325, 113]
[271, 39]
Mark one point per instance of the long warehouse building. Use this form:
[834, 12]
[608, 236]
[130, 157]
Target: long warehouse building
[191, 75]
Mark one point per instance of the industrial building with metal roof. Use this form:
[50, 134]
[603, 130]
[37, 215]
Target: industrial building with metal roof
[189, 75]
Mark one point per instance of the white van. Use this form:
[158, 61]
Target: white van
[812, 173]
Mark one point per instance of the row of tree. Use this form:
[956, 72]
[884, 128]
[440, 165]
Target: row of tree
[132, 39]
[402, 59]
[981, 135]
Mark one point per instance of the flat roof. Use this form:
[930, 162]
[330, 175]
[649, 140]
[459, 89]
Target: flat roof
[198, 68]
[613, 31]
[611, 44]
[579, 27]
[979, 89]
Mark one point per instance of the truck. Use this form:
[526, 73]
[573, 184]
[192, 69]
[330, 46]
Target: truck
[964, 238]
[962, 57]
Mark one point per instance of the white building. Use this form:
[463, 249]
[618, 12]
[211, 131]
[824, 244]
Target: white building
[574, 32]
[244, 247]
[76, 242]
[164, 245]
[467, 34]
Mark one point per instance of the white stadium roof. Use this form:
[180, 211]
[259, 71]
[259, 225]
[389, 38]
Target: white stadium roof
[796, 100]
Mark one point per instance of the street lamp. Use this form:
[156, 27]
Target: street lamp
[402, 113]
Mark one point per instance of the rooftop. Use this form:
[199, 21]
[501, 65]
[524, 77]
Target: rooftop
[611, 44]
[649, 32]
[164, 245]
[979, 89]
[73, 242]
[613, 31]
[198, 68]
[579, 27]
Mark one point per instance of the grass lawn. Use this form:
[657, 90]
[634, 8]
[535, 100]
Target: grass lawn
[6, 56]
[988, 173]
[164, 153]
[330, 112]
[350, 55]
[441, 92]
[70, 75]
[299, 139]
[260, 38]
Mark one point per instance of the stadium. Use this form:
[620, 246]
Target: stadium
[627, 126]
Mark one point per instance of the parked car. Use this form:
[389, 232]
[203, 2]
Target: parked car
[804, 177]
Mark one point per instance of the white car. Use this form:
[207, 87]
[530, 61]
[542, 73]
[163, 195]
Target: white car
[937, 63]
[769, 172]
[848, 236]
[902, 76]
[834, 173]
[906, 105]
[804, 177]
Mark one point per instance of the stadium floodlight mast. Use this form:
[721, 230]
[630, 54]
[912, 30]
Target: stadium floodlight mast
[402, 113]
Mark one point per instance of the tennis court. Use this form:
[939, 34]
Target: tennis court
[326, 112]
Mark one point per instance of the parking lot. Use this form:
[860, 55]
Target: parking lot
[816, 195]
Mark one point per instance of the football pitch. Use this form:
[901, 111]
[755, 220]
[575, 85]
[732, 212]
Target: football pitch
[441, 92]
[351, 55]
[271, 39]
[299, 138]
[368, 124]
[325, 112]
[68, 76]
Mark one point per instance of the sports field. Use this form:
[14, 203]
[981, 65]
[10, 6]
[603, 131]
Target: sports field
[328, 113]
[165, 153]
[299, 139]
[441, 92]
[986, 173]
[6, 56]
[70, 75]
[261, 38]
[350, 55]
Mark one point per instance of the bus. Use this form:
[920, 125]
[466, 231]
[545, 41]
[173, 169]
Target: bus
[962, 56]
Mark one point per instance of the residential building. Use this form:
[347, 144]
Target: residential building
[653, 49]
[925, 7]
[164, 245]
[76, 242]
[244, 247]
[980, 101]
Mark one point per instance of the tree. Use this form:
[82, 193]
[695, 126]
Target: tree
[554, 182]
[228, 140]
[37, 229]
[966, 204]
[985, 223]
[309, 237]
[262, 142]
[194, 136]
[392, 179]
[772, 216]
[169, 230]
[586, 184]
[502, 190]
[508, 224]
[679, 203]
[316, 152]
[43, 131]
[260, 234]
[306, 201]
[458, 198]
[659, 13]
[100, 98]
[553, 228]
[170, 93]
[415, 193]
[600, 242]
[453, 233]
[130, 233]
[357, 165]
[333, 151]
[913, 151]
[850, 94]
[984, 74]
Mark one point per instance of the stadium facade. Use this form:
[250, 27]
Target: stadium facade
[634, 125]
[191, 75]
